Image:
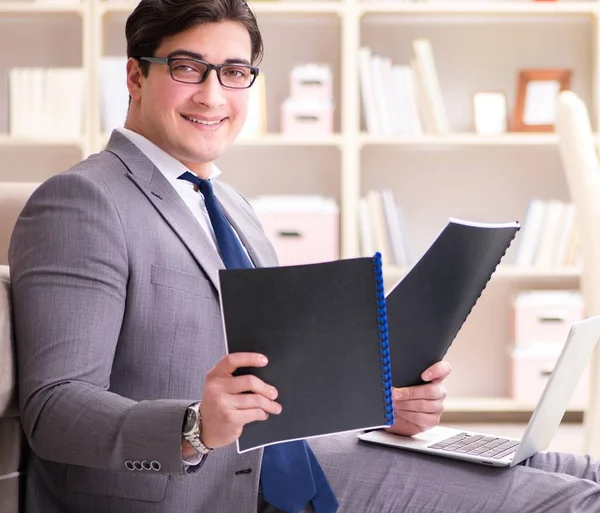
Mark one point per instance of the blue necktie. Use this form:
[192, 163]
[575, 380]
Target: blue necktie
[291, 475]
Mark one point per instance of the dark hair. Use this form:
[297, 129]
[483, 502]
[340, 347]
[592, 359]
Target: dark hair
[152, 21]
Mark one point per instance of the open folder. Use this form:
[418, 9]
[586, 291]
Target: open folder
[336, 344]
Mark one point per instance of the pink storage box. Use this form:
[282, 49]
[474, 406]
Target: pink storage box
[546, 316]
[306, 118]
[303, 229]
[311, 81]
[530, 370]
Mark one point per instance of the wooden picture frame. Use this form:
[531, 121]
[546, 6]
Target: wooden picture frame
[490, 112]
[535, 105]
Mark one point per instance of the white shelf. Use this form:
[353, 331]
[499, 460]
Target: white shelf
[512, 271]
[279, 140]
[390, 6]
[40, 7]
[285, 6]
[116, 7]
[492, 8]
[275, 139]
[508, 271]
[10, 140]
[463, 139]
[490, 404]
[275, 7]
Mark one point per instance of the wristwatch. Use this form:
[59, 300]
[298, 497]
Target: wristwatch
[192, 428]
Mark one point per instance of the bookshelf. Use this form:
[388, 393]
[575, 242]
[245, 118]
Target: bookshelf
[58, 36]
[10, 140]
[286, 7]
[463, 139]
[46, 7]
[510, 272]
[478, 45]
[474, 8]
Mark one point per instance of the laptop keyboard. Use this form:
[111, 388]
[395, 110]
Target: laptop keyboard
[477, 445]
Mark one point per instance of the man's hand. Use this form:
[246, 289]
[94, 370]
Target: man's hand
[419, 408]
[226, 408]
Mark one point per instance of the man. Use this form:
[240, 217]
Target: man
[128, 399]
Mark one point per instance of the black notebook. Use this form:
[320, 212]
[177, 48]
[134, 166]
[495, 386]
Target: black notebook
[323, 328]
[427, 308]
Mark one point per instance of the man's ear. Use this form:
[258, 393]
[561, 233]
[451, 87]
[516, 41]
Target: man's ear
[134, 79]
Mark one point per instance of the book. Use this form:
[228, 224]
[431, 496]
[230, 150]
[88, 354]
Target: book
[427, 307]
[323, 328]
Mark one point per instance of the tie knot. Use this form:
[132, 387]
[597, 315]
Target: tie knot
[205, 186]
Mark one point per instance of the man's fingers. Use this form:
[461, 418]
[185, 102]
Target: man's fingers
[250, 383]
[430, 391]
[253, 401]
[423, 420]
[227, 365]
[420, 406]
[247, 416]
[438, 371]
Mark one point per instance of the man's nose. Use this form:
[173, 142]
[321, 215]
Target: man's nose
[210, 92]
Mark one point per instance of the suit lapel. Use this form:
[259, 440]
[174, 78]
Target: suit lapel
[157, 189]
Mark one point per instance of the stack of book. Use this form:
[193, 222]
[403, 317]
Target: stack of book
[46, 102]
[550, 237]
[114, 96]
[383, 228]
[402, 98]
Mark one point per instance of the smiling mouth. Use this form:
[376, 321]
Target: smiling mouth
[202, 121]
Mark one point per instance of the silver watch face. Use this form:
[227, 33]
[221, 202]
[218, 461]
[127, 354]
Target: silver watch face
[190, 420]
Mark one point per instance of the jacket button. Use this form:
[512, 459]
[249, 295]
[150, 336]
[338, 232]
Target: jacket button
[129, 465]
[137, 465]
[156, 465]
[146, 465]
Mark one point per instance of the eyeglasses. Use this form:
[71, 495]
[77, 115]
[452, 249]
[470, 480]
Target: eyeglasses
[195, 71]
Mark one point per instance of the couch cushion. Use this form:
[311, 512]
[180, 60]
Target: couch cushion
[8, 400]
[13, 196]
[12, 447]
[12, 493]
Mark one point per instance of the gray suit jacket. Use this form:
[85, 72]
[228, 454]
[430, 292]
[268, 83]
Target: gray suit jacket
[117, 322]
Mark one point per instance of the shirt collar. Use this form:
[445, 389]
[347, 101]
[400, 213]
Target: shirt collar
[168, 165]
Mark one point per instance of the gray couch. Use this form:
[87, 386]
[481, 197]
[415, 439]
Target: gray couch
[12, 443]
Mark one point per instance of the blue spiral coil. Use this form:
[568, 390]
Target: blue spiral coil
[384, 348]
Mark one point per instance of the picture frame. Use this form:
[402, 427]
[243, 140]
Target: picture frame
[490, 112]
[537, 92]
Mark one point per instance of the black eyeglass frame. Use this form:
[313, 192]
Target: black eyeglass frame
[209, 67]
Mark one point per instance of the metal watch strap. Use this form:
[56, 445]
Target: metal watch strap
[194, 437]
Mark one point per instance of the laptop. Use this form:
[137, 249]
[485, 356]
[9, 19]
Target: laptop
[498, 451]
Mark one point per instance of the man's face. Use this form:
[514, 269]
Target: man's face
[194, 123]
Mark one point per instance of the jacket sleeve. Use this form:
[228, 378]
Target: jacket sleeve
[69, 272]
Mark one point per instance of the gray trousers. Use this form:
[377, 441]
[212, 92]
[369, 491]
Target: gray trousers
[369, 478]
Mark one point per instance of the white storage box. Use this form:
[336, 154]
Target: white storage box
[303, 229]
[530, 370]
[311, 81]
[306, 118]
[546, 316]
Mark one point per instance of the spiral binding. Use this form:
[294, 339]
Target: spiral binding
[384, 348]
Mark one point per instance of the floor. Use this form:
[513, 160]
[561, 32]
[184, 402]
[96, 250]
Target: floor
[568, 438]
